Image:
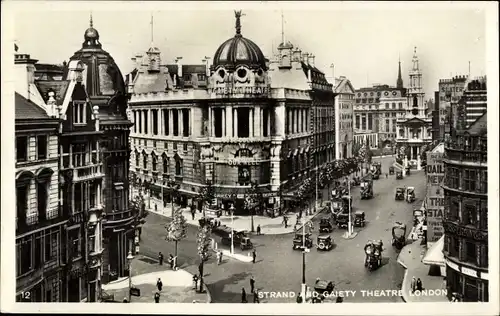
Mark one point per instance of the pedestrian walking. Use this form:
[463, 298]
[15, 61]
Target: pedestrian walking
[219, 257]
[256, 297]
[171, 261]
[254, 255]
[193, 212]
[195, 282]
[285, 221]
[159, 284]
[160, 258]
[419, 284]
[258, 229]
[386, 175]
[413, 284]
[252, 284]
[157, 297]
[243, 295]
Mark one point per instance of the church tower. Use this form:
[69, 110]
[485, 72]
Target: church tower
[416, 106]
[399, 82]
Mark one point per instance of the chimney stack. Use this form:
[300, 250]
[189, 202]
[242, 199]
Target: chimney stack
[311, 60]
[305, 57]
[179, 67]
[297, 53]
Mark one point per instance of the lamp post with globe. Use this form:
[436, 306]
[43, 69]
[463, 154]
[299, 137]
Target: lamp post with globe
[231, 209]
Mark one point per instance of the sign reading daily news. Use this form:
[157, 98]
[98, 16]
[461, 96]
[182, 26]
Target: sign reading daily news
[435, 196]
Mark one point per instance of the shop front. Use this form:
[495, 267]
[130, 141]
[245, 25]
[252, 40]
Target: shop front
[466, 284]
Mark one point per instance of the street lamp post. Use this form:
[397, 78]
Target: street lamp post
[232, 229]
[129, 259]
[303, 287]
[349, 230]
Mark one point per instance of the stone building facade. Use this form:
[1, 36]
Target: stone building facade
[344, 111]
[466, 212]
[240, 120]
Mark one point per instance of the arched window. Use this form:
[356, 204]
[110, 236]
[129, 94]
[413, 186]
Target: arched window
[415, 102]
[166, 163]
[144, 160]
[154, 161]
[42, 192]
[23, 182]
[178, 166]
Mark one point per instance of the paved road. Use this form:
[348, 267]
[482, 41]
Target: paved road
[279, 268]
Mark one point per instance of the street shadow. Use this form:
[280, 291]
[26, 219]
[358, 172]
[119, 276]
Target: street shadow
[222, 295]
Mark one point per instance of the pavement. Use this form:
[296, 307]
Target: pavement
[177, 285]
[411, 258]
[279, 268]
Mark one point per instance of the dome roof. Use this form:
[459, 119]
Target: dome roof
[104, 78]
[238, 51]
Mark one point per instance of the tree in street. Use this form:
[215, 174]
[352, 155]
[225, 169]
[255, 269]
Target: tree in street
[204, 241]
[177, 229]
[173, 187]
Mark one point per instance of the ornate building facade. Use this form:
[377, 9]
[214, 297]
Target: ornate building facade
[466, 212]
[236, 121]
[376, 110]
[95, 143]
[344, 111]
[415, 127]
[58, 202]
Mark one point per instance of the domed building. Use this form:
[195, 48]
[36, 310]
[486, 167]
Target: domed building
[243, 125]
[107, 103]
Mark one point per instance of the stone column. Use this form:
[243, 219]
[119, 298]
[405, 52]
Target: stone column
[210, 121]
[160, 121]
[299, 121]
[150, 122]
[258, 121]
[419, 167]
[290, 126]
[180, 117]
[250, 122]
[171, 121]
[229, 121]
[235, 119]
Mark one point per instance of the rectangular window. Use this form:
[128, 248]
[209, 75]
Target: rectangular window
[387, 106]
[42, 197]
[455, 247]
[185, 147]
[175, 119]
[243, 122]
[484, 181]
[185, 122]
[21, 148]
[218, 122]
[139, 121]
[453, 178]
[363, 122]
[41, 146]
[75, 243]
[400, 105]
[387, 127]
[135, 121]
[470, 252]
[25, 256]
[394, 124]
[469, 216]
[155, 121]
[370, 121]
[79, 113]
[265, 122]
[470, 179]
[357, 121]
[393, 105]
[50, 246]
[202, 77]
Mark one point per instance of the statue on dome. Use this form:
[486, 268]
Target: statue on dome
[238, 16]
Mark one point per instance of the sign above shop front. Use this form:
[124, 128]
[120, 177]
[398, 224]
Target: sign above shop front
[254, 91]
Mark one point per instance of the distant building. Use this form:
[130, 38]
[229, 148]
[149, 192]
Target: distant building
[344, 111]
[414, 128]
[466, 212]
[475, 100]
[376, 111]
[229, 124]
[450, 92]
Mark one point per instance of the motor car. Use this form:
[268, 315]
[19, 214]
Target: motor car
[359, 219]
[301, 240]
[324, 242]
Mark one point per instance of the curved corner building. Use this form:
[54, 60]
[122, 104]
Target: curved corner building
[466, 207]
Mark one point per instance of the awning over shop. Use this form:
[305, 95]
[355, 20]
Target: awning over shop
[302, 150]
[295, 152]
[434, 254]
[307, 149]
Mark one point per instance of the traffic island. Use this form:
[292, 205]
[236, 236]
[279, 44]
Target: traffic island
[178, 286]
[346, 235]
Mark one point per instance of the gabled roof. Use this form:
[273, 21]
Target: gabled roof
[343, 83]
[58, 86]
[27, 110]
[415, 120]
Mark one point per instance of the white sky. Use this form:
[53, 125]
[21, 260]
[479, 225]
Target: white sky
[363, 40]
